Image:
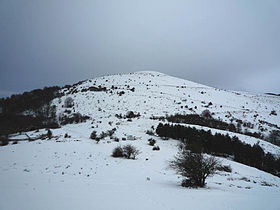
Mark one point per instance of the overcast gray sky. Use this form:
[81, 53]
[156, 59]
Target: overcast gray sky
[233, 44]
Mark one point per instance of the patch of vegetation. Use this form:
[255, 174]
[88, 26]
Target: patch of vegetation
[221, 145]
[128, 152]
[151, 142]
[73, 118]
[206, 119]
[28, 111]
[195, 167]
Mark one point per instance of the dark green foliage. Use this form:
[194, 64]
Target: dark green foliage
[194, 166]
[28, 100]
[37, 102]
[207, 120]
[221, 145]
[118, 152]
[12, 123]
[93, 135]
[74, 118]
[131, 114]
[128, 152]
[156, 148]
[151, 142]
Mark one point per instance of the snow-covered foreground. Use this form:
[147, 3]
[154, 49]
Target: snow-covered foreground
[70, 174]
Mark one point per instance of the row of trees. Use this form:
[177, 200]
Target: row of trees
[207, 120]
[221, 145]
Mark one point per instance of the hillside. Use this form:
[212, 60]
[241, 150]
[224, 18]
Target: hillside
[75, 172]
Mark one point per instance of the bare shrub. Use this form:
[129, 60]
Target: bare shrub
[130, 152]
[194, 166]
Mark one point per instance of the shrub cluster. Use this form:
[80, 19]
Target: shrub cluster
[74, 118]
[128, 152]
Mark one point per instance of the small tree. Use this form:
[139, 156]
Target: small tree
[93, 135]
[130, 152]
[194, 166]
[118, 152]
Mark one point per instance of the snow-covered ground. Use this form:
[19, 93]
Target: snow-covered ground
[77, 173]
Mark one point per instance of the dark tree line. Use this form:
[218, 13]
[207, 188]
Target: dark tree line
[42, 115]
[221, 145]
[211, 123]
[28, 100]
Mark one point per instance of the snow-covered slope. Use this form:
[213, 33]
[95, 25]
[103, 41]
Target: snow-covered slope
[159, 94]
[77, 173]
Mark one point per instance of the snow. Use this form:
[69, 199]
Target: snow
[77, 173]
[82, 175]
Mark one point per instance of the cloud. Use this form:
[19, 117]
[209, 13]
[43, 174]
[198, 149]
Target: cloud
[227, 44]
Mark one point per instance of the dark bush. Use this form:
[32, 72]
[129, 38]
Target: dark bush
[74, 118]
[116, 139]
[188, 183]
[118, 152]
[130, 152]
[49, 134]
[156, 148]
[151, 142]
[150, 132]
[93, 135]
[131, 114]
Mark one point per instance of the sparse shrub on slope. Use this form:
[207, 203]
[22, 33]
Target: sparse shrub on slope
[93, 135]
[151, 142]
[195, 167]
[128, 152]
[118, 152]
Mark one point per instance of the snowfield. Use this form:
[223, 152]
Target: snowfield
[78, 173]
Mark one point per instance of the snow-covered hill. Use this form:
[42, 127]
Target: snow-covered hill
[77, 173]
[157, 94]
